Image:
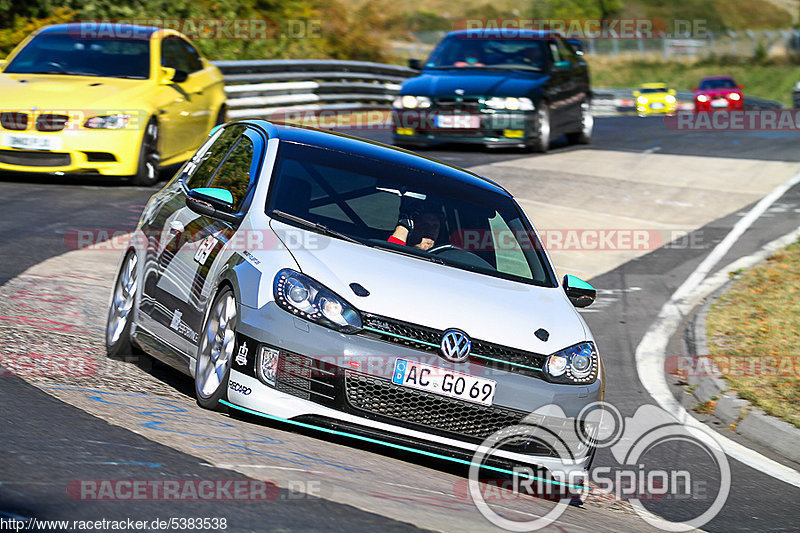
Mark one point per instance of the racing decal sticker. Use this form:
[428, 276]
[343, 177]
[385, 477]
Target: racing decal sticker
[238, 387]
[241, 355]
[205, 248]
[250, 258]
[181, 327]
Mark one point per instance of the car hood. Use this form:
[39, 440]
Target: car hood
[474, 83]
[51, 92]
[441, 297]
[714, 93]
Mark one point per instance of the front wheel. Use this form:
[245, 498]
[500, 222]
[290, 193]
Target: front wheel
[120, 312]
[215, 352]
[149, 158]
[542, 141]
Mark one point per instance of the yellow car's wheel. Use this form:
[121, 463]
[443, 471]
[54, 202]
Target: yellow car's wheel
[149, 158]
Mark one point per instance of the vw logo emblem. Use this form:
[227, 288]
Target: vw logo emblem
[456, 346]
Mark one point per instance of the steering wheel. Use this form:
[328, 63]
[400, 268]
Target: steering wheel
[443, 248]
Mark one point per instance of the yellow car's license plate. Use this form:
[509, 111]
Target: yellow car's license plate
[32, 142]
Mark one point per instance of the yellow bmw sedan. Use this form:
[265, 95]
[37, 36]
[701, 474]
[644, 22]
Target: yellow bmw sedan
[105, 99]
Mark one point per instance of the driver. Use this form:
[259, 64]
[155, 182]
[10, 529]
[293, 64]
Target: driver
[418, 224]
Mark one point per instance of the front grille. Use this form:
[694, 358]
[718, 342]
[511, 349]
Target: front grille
[458, 104]
[305, 378]
[462, 419]
[49, 122]
[14, 121]
[34, 159]
[428, 340]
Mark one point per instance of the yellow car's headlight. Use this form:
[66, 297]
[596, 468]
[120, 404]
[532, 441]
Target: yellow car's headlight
[669, 99]
[107, 122]
[642, 100]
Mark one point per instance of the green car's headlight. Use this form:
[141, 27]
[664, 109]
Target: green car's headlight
[510, 103]
[411, 102]
[577, 365]
[304, 297]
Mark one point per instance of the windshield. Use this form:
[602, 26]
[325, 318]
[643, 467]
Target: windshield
[726, 83]
[363, 199]
[62, 53]
[653, 90]
[471, 52]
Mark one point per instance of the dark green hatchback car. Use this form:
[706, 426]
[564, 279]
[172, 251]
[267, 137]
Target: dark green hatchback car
[496, 88]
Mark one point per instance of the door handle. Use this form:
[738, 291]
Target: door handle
[176, 226]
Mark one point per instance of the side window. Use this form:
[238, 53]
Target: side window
[565, 52]
[234, 174]
[554, 52]
[509, 256]
[211, 159]
[192, 57]
[173, 54]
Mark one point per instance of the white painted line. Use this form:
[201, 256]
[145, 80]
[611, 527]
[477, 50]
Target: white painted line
[651, 352]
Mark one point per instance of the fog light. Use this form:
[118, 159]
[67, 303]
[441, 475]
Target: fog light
[515, 134]
[404, 131]
[267, 365]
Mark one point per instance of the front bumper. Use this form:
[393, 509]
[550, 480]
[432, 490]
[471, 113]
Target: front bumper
[350, 385]
[497, 128]
[81, 151]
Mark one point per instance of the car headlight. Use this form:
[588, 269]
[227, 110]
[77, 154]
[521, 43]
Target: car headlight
[304, 297]
[411, 102]
[702, 98]
[511, 103]
[642, 100]
[734, 96]
[107, 122]
[577, 365]
[669, 99]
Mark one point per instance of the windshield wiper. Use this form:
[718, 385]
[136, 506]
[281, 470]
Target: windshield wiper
[321, 228]
[408, 252]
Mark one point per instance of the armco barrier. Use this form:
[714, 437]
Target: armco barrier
[261, 88]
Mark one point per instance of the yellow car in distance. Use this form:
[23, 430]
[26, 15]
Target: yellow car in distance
[654, 98]
[106, 99]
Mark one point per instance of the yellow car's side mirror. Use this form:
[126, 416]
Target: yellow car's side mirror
[636, 93]
[165, 75]
[672, 92]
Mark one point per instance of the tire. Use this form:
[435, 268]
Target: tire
[149, 158]
[215, 352]
[221, 115]
[542, 140]
[584, 136]
[120, 312]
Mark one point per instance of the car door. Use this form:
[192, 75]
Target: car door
[560, 82]
[183, 245]
[201, 86]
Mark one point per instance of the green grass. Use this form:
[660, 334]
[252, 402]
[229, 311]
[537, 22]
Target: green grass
[773, 78]
[754, 335]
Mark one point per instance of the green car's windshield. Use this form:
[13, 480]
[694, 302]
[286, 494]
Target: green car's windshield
[470, 52]
[64, 53]
[361, 199]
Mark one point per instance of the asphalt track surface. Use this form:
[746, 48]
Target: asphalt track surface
[45, 441]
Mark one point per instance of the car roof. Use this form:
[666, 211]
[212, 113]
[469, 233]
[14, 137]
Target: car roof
[654, 85]
[374, 150]
[508, 33]
[717, 78]
[103, 29]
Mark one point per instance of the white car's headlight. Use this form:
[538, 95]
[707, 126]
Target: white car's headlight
[669, 99]
[642, 100]
[511, 103]
[578, 365]
[304, 297]
[107, 122]
[411, 102]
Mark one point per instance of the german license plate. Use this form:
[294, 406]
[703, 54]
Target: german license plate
[657, 105]
[444, 382]
[719, 102]
[458, 121]
[32, 142]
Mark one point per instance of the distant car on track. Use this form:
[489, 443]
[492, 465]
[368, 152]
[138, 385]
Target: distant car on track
[121, 100]
[718, 93]
[391, 294]
[655, 98]
[496, 88]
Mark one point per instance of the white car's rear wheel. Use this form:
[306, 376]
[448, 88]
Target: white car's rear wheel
[120, 312]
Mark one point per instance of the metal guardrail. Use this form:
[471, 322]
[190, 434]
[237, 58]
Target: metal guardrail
[260, 88]
[264, 88]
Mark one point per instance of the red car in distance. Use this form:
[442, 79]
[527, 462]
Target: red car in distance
[718, 93]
